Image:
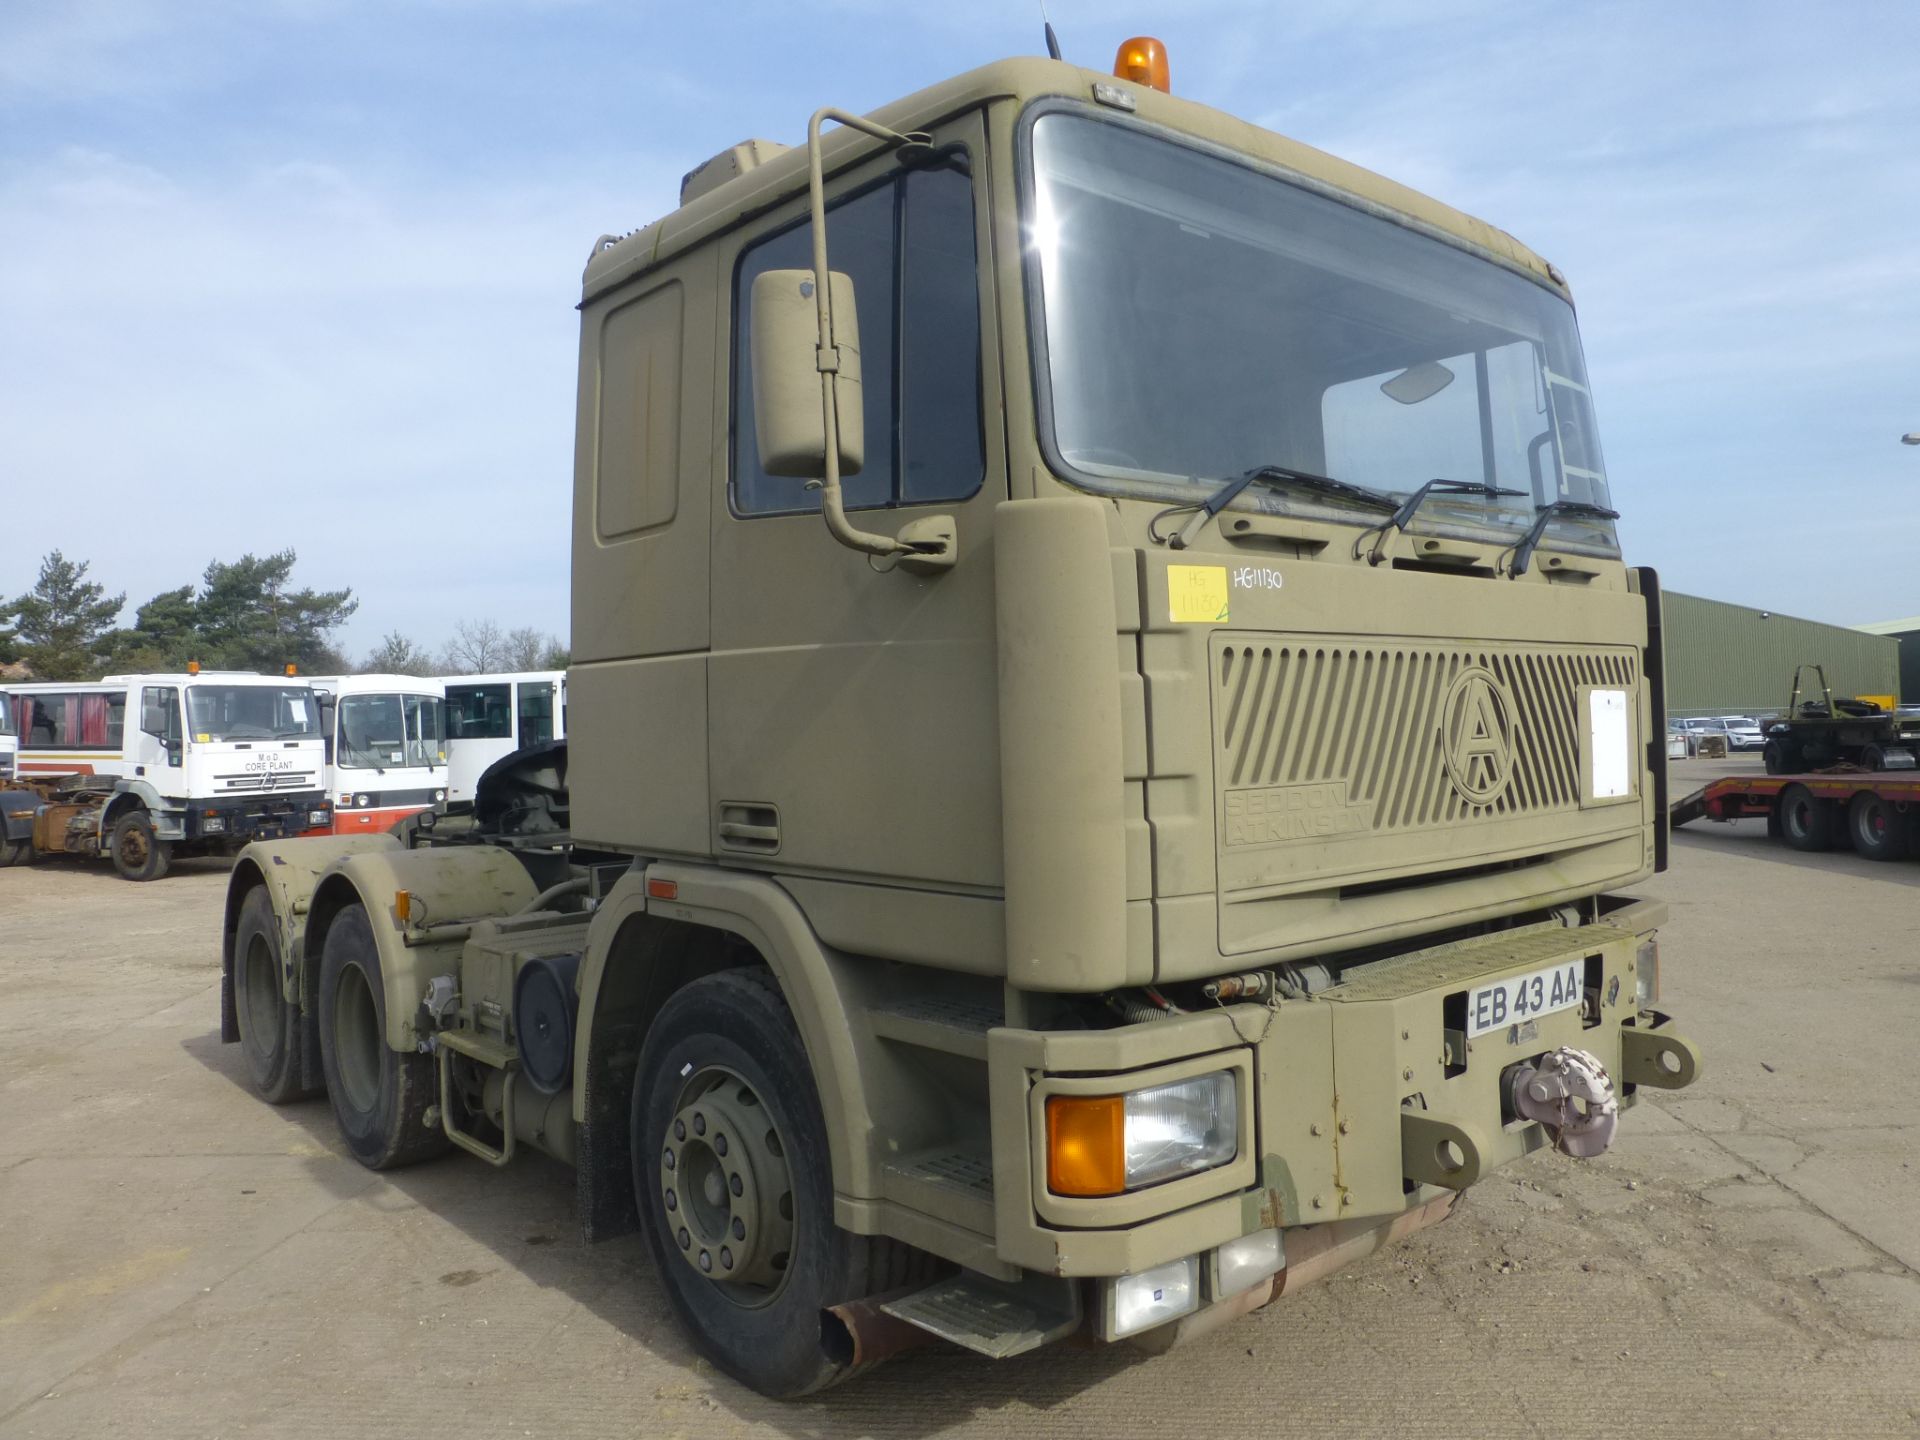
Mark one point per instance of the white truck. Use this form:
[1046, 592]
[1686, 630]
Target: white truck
[386, 742]
[141, 768]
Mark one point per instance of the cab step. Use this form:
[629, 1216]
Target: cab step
[933, 1022]
[990, 1318]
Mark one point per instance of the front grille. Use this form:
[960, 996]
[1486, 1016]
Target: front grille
[258, 780]
[1318, 738]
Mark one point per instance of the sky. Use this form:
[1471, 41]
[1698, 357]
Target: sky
[301, 273]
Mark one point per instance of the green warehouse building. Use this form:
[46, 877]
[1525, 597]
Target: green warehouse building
[1907, 633]
[1727, 659]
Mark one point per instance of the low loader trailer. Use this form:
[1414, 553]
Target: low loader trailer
[1108, 747]
[1876, 812]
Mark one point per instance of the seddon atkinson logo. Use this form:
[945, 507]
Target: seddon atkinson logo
[1476, 735]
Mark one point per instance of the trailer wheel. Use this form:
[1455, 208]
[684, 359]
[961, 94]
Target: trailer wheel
[735, 1192]
[380, 1096]
[1879, 831]
[269, 1026]
[1806, 821]
[138, 854]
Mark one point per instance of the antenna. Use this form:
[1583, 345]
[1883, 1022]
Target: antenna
[1053, 40]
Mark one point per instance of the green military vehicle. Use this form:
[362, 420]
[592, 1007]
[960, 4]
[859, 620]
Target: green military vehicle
[1106, 745]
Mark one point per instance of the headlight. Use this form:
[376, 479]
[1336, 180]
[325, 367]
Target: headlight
[1646, 973]
[1105, 1144]
[212, 824]
[319, 817]
[438, 796]
[362, 800]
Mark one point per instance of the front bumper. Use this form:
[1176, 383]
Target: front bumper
[241, 818]
[1366, 1099]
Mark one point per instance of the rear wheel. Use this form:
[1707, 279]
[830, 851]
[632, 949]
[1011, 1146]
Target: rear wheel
[138, 853]
[1774, 755]
[1879, 831]
[1806, 821]
[269, 1025]
[380, 1096]
[735, 1190]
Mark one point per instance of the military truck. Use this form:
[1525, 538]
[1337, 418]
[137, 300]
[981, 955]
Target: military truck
[1109, 735]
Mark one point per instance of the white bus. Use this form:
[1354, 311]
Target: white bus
[386, 738]
[9, 739]
[193, 763]
[489, 716]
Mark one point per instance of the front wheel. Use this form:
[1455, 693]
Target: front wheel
[735, 1190]
[15, 852]
[1774, 755]
[380, 1096]
[138, 853]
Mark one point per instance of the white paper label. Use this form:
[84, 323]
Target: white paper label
[1610, 744]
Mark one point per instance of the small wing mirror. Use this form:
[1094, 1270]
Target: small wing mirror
[1418, 382]
[787, 419]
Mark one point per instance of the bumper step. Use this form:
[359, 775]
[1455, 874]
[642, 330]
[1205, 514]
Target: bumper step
[992, 1319]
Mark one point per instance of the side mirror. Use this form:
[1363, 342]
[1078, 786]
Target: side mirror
[787, 412]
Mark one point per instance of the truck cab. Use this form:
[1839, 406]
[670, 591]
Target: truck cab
[386, 748]
[9, 738]
[488, 717]
[141, 768]
[1110, 743]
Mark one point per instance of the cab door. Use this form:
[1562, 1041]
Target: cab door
[841, 691]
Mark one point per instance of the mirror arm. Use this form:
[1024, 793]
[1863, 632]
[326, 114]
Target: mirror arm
[827, 354]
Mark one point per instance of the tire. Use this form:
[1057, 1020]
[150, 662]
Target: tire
[15, 852]
[726, 1047]
[1878, 831]
[138, 854]
[1806, 821]
[1872, 757]
[380, 1096]
[269, 1025]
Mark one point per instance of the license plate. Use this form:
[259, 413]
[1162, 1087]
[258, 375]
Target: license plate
[1523, 997]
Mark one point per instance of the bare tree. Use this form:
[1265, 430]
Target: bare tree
[476, 648]
[523, 648]
[397, 655]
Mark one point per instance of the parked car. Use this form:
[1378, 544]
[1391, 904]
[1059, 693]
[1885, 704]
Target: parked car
[1741, 732]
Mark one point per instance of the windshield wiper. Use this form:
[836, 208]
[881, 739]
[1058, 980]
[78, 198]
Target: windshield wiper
[1552, 510]
[1410, 507]
[1277, 475]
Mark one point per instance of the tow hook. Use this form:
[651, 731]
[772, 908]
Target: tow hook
[1569, 1092]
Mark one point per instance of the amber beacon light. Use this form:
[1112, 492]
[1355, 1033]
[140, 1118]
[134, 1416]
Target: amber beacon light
[1143, 60]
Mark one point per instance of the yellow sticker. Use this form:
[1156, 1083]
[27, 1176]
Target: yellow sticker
[203, 739]
[1197, 594]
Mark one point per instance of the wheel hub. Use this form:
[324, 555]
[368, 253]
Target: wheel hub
[725, 1183]
[133, 846]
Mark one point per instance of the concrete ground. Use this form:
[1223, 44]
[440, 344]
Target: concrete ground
[179, 1259]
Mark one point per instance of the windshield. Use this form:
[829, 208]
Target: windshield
[1200, 318]
[250, 712]
[380, 732]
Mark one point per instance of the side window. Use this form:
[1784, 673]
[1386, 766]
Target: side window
[160, 712]
[479, 712]
[75, 721]
[536, 712]
[908, 246]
